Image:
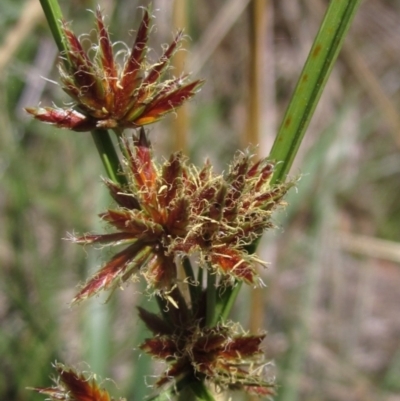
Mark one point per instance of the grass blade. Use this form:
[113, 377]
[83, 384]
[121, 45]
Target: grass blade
[311, 83]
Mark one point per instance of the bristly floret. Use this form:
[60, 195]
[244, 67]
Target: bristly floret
[228, 214]
[225, 355]
[72, 385]
[174, 209]
[109, 95]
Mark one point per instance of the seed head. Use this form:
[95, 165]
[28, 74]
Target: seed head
[225, 355]
[174, 209]
[109, 95]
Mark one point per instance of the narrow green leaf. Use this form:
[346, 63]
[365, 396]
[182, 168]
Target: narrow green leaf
[311, 83]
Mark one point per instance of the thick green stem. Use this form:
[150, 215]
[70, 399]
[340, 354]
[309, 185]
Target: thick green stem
[311, 83]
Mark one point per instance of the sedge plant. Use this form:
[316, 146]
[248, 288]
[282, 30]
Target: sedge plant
[174, 214]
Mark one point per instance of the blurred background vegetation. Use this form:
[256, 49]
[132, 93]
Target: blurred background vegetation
[331, 306]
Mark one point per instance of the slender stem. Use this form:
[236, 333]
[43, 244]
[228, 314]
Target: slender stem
[54, 17]
[226, 301]
[108, 155]
[211, 299]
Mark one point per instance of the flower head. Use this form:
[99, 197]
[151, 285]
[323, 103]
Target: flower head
[224, 355]
[175, 209]
[73, 386]
[109, 95]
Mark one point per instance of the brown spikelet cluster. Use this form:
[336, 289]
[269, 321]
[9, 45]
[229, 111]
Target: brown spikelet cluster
[176, 209]
[224, 355]
[109, 95]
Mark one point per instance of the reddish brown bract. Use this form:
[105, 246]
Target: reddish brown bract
[74, 386]
[108, 95]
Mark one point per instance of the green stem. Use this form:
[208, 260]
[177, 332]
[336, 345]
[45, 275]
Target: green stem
[108, 155]
[311, 83]
[211, 298]
[54, 16]
[224, 308]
